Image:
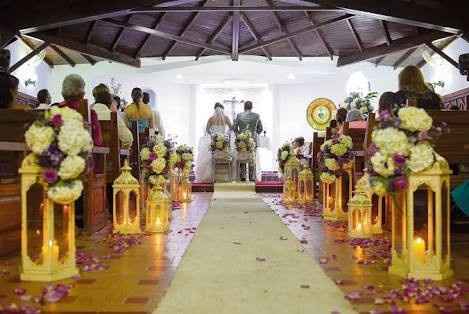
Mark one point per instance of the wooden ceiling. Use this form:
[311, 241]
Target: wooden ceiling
[383, 32]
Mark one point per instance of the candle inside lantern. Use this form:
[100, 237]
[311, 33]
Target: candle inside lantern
[419, 249]
[158, 221]
[359, 227]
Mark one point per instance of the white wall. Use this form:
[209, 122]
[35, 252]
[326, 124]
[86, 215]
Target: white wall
[444, 71]
[36, 71]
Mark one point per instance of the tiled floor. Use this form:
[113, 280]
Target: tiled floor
[133, 283]
[348, 266]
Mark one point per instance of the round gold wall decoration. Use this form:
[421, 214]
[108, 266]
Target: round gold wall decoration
[320, 112]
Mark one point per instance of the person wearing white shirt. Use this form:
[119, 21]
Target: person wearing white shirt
[103, 103]
[158, 123]
[44, 99]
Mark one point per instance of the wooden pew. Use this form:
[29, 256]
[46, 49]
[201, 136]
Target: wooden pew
[95, 213]
[13, 124]
[135, 151]
[317, 142]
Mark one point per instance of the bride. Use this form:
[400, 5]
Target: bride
[218, 123]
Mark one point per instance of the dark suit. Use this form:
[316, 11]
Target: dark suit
[248, 121]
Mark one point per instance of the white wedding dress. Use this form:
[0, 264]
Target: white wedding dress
[217, 124]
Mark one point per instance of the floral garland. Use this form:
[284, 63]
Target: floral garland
[219, 142]
[155, 159]
[284, 153]
[245, 142]
[401, 145]
[334, 155]
[60, 145]
[363, 104]
[182, 159]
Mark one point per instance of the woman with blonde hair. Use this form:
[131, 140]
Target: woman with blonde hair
[414, 91]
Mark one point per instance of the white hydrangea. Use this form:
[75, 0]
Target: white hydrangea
[72, 167]
[187, 157]
[38, 138]
[391, 141]
[65, 193]
[158, 165]
[145, 153]
[67, 114]
[383, 164]
[415, 119]
[74, 139]
[284, 155]
[421, 157]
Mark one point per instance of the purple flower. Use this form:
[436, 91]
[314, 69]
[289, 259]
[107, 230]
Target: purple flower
[384, 115]
[423, 136]
[399, 183]
[152, 157]
[399, 160]
[372, 149]
[50, 176]
[51, 158]
[56, 121]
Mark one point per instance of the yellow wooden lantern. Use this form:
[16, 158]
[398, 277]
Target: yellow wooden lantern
[186, 186]
[175, 179]
[305, 186]
[290, 183]
[158, 208]
[126, 202]
[421, 234]
[47, 229]
[337, 194]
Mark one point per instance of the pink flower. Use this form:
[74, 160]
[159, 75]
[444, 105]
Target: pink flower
[50, 175]
[399, 183]
[152, 157]
[56, 121]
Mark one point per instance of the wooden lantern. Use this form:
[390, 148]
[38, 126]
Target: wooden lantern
[421, 234]
[290, 184]
[47, 230]
[337, 195]
[158, 210]
[126, 202]
[305, 186]
[175, 185]
[186, 187]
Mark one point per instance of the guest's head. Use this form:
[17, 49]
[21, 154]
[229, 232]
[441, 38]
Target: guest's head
[388, 101]
[117, 100]
[341, 115]
[8, 90]
[102, 95]
[43, 97]
[299, 141]
[73, 87]
[354, 115]
[146, 98]
[411, 80]
[247, 105]
[333, 124]
[218, 106]
[137, 95]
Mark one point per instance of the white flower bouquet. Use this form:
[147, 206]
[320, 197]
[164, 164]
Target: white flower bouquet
[283, 154]
[335, 154]
[60, 144]
[245, 143]
[182, 159]
[219, 142]
[156, 161]
[401, 145]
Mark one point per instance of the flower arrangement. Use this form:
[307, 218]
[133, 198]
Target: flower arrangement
[335, 154]
[155, 158]
[401, 145]
[284, 153]
[245, 142]
[59, 145]
[182, 159]
[363, 104]
[219, 142]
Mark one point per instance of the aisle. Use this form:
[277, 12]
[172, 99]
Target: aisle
[223, 271]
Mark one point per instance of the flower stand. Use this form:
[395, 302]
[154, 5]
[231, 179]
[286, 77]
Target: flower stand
[290, 184]
[305, 186]
[336, 208]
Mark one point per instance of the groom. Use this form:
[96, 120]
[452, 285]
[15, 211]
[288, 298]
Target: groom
[248, 121]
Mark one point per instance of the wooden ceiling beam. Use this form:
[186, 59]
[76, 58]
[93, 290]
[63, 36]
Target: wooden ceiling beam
[404, 57]
[326, 46]
[423, 62]
[409, 13]
[119, 35]
[295, 33]
[236, 8]
[283, 29]
[386, 34]
[89, 33]
[28, 57]
[235, 26]
[379, 60]
[155, 25]
[6, 39]
[355, 35]
[384, 49]
[185, 28]
[440, 52]
[63, 55]
[46, 58]
[90, 49]
[215, 34]
[254, 34]
[88, 58]
[157, 33]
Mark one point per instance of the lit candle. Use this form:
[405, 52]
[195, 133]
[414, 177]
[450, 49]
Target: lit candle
[158, 221]
[419, 249]
[359, 227]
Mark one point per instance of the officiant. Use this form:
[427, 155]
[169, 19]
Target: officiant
[248, 121]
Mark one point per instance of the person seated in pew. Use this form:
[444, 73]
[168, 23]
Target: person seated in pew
[334, 127]
[355, 119]
[140, 112]
[340, 118]
[8, 92]
[303, 151]
[73, 92]
[156, 115]
[103, 107]
[44, 99]
[388, 102]
[413, 91]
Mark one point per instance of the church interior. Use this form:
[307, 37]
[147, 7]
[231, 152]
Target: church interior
[234, 156]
